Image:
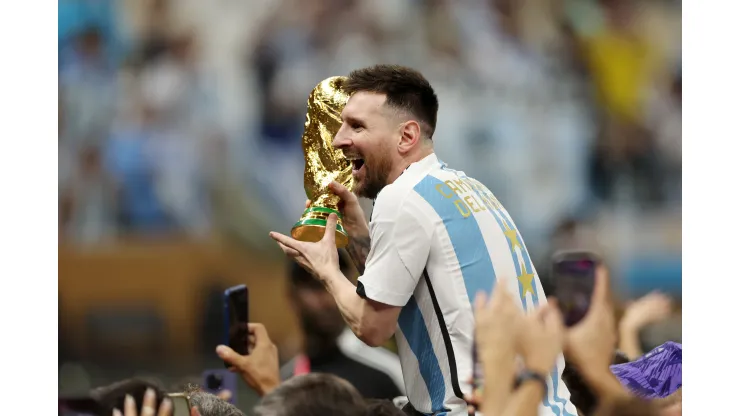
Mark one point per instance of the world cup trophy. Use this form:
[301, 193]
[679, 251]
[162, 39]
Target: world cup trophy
[324, 163]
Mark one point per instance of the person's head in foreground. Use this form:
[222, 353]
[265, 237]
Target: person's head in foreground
[387, 124]
[209, 404]
[312, 394]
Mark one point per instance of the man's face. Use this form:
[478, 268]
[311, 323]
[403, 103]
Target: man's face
[368, 138]
[318, 312]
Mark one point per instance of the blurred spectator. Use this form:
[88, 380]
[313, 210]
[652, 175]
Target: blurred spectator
[649, 309]
[549, 103]
[312, 394]
[329, 347]
[89, 200]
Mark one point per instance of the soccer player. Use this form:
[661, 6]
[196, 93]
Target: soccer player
[436, 237]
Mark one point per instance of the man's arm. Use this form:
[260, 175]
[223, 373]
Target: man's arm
[372, 322]
[358, 249]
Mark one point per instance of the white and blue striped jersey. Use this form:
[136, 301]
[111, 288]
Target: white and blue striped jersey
[438, 237]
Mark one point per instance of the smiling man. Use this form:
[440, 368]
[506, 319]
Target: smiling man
[436, 237]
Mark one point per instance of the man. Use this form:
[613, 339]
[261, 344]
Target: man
[436, 237]
[329, 347]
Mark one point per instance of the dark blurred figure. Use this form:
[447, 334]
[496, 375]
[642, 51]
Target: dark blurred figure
[102, 400]
[88, 202]
[382, 408]
[581, 395]
[329, 348]
[312, 395]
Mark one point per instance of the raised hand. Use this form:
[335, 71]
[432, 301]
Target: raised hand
[319, 258]
[148, 406]
[353, 217]
[260, 369]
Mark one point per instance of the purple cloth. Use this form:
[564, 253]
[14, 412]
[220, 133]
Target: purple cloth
[656, 374]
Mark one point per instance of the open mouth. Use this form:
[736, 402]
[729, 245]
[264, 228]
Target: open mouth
[357, 163]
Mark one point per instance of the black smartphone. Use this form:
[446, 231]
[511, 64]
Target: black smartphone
[574, 277]
[236, 319]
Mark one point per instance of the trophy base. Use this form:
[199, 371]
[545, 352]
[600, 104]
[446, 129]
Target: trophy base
[312, 226]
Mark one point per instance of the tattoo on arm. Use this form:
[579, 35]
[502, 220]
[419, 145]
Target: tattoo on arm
[358, 250]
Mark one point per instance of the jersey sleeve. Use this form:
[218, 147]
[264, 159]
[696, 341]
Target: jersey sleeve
[400, 247]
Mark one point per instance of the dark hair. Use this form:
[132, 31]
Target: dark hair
[209, 404]
[404, 89]
[313, 394]
[377, 407]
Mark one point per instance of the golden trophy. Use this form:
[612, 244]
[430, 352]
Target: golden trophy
[324, 163]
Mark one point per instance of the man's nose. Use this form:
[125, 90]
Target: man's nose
[341, 140]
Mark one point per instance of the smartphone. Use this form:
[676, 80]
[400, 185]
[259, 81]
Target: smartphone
[236, 319]
[574, 277]
[215, 381]
[180, 404]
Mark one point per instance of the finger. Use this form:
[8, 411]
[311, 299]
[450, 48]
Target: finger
[194, 411]
[228, 355]
[340, 190]
[286, 241]
[117, 412]
[542, 311]
[288, 251]
[149, 404]
[129, 406]
[331, 226]
[553, 320]
[601, 287]
[260, 334]
[308, 203]
[480, 301]
[165, 409]
[224, 395]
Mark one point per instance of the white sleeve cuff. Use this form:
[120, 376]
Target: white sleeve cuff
[378, 294]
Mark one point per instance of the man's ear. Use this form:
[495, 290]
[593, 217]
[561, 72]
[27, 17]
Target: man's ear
[410, 135]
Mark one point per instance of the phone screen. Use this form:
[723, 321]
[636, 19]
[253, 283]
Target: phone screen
[236, 306]
[574, 277]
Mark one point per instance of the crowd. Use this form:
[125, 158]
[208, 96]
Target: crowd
[607, 373]
[173, 116]
[184, 118]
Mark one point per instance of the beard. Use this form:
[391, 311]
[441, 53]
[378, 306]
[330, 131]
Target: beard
[376, 177]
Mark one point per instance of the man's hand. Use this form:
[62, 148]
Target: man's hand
[590, 344]
[260, 369]
[353, 217]
[320, 258]
[497, 322]
[541, 339]
[650, 308]
[148, 406]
